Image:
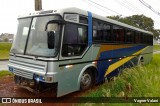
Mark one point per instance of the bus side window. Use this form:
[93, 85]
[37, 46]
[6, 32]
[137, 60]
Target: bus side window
[137, 37]
[83, 20]
[106, 33]
[95, 31]
[116, 34]
[129, 36]
[121, 34]
[75, 40]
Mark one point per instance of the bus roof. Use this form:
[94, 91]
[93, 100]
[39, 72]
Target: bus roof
[82, 12]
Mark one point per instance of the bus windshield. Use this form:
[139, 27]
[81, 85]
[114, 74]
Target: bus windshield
[43, 35]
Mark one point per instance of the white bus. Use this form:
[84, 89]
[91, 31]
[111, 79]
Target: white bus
[74, 49]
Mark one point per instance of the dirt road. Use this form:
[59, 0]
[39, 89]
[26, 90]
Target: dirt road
[9, 89]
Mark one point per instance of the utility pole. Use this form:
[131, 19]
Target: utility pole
[38, 5]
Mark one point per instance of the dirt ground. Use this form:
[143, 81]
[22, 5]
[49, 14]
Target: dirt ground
[9, 89]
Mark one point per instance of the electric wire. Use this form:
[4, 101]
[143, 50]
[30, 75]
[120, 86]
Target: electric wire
[150, 7]
[124, 5]
[97, 7]
[104, 7]
[133, 6]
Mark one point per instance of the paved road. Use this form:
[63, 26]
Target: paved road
[156, 52]
[3, 65]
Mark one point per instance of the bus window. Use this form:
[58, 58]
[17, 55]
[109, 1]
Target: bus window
[118, 34]
[106, 33]
[101, 31]
[21, 36]
[96, 31]
[83, 20]
[129, 38]
[121, 34]
[75, 40]
[115, 35]
[150, 40]
[137, 37]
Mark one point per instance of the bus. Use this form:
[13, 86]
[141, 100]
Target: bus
[73, 49]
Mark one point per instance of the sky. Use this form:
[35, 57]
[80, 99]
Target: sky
[11, 9]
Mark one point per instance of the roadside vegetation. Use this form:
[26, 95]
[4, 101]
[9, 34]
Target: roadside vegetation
[156, 47]
[4, 50]
[5, 73]
[139, 81]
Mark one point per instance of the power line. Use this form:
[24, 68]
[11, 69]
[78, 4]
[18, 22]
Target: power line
[98, 8]
[133, 6]
[104, 7]
[124, 5]
[150, 7]
[139, 10]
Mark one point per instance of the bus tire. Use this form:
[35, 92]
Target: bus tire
[141, 61]
[87, 80]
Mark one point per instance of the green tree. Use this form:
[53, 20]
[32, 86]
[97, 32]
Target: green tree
[6, 40]
[117, 17]
[157, 33]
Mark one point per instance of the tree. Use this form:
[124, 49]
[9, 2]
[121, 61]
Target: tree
[117, 17]
[6, 40]
[157, 33]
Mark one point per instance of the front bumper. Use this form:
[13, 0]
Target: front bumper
[33, 85]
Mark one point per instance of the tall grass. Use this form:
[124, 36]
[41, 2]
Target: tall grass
[156, 47]
[139, 81]
[4, 50]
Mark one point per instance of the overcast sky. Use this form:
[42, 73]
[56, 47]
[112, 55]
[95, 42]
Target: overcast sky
[10, 9]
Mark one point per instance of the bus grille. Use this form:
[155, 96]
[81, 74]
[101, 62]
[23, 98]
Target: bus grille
[27, 69]
[23, 73]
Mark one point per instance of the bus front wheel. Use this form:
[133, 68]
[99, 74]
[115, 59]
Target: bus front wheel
[87, 80]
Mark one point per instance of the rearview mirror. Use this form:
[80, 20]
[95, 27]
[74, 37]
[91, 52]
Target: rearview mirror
[54, 21]
[51, 39]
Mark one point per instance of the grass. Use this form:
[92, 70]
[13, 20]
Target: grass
[139, 81]
[156, 47]
[5, 73]
[4, 50]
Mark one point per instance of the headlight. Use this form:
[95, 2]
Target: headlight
[43, 78]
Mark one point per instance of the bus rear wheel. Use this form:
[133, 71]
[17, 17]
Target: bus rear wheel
[141, 61]
[87, 80]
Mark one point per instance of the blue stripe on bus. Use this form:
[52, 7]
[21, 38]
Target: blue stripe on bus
[89, 28]
[102, 66]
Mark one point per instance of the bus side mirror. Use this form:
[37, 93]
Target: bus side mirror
[51, 39]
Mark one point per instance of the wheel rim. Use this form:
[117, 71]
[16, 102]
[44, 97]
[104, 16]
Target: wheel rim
[141, 62]
[86, 81]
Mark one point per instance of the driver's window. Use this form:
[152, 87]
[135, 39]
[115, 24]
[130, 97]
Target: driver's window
[75, 40]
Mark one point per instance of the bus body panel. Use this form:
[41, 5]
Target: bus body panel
[116, 57]
[69, 78]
